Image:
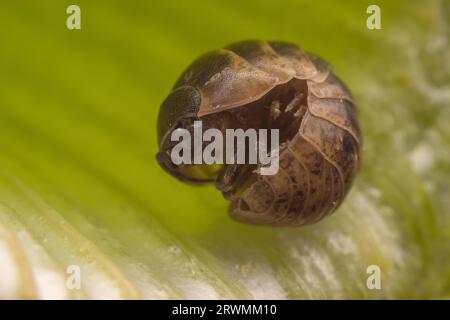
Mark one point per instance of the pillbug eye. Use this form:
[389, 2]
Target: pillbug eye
[266, 86]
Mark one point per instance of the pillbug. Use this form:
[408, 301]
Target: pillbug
[259, 84]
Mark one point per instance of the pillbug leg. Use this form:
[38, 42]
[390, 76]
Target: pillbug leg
[294, 103]
[230, 178]
[292, 115]
[226, 177]
[274, 110]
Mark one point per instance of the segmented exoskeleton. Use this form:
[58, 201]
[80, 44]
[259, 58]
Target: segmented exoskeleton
[258, 84]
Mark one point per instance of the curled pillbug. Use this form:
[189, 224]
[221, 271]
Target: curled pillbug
[269, 85]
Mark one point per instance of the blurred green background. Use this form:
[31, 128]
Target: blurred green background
[79, 184]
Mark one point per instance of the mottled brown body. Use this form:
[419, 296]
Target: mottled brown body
[257, 84]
